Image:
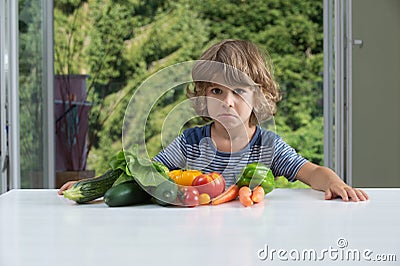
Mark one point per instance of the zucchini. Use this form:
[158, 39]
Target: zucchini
[125, 194]
[90, 189]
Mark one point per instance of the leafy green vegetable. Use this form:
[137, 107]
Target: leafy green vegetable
[144, 171]
[119, 162]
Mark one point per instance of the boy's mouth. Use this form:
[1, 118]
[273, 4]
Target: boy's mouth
[226, 115]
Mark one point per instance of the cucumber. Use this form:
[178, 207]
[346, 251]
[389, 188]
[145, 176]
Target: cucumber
[92, 188]
[125, 194]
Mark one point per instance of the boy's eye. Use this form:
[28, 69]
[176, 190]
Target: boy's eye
[238, 91]
[216, 91]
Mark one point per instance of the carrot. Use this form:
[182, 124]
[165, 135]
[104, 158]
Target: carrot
[244, 196]
[229, 194]
[244, 191]
[258, 194]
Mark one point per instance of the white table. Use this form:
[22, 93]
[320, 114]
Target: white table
[38, 227]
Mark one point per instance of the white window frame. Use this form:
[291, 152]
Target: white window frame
[9, 95]
[338, 87]
[3, 117]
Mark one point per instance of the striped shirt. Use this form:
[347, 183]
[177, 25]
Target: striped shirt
[194, 149]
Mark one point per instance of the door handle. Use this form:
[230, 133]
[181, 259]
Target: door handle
[5, 164]
[358, 43]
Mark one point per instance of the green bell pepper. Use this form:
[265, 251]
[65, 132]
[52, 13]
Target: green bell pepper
[256, 174]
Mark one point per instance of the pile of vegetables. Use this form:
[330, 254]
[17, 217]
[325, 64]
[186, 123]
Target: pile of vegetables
[129, 181]
[132, 180]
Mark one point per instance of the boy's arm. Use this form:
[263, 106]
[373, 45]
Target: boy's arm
[323, 178]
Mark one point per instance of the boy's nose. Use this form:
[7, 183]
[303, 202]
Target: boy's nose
[228, 99]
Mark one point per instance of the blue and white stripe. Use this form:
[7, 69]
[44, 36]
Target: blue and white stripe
[194, 149]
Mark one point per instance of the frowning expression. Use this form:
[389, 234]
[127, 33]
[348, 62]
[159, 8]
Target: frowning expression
[231, 107]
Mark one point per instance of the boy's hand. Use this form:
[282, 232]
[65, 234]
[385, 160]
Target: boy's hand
[66, 186]
[324, 179]
[340, 189]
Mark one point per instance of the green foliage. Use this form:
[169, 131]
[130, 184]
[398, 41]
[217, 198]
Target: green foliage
[70, 53]
[121, 43]
[30, 92]
[282, 182]
[67, 6]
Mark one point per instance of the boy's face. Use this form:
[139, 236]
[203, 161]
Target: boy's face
[231, 107]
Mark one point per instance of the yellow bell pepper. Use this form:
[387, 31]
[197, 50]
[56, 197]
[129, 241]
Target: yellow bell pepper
[184, 177]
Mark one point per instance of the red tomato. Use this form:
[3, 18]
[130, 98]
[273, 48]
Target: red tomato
[212, 184]
[202, 180]
[189, 196]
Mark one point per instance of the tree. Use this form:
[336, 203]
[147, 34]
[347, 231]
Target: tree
[130, 40]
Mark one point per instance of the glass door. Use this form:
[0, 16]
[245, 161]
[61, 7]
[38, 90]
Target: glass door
[36, 93]
[26, 99]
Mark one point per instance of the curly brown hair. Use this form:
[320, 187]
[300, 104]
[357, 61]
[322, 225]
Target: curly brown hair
[241, 62]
